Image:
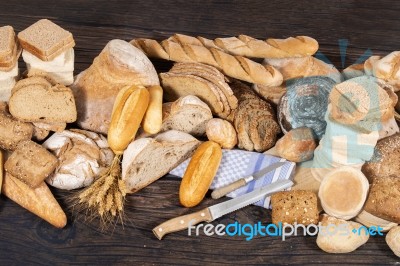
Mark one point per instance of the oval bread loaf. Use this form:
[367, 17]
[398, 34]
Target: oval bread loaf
[128, 111]
[200, 173]
[222, 132]
[152, 120]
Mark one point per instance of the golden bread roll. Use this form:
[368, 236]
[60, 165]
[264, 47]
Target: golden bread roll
[129, 108]
[152, 120]
[200, 173]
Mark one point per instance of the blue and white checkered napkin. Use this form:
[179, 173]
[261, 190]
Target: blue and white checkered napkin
[236, 164]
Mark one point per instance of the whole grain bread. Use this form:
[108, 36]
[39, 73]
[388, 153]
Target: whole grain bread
[37, 100]
[45, 39]
[296, 206]
[386, 159]
[384, 198]
[12, 131]
[31, 163]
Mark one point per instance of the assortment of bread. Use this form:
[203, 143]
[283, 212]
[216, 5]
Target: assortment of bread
[215, 91]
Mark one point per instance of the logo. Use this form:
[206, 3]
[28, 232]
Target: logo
[249, 231]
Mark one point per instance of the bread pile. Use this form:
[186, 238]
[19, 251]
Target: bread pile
[48, 48]
[9, 54]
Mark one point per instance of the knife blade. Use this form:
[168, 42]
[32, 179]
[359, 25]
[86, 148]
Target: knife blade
[218, 210]
[220, 192]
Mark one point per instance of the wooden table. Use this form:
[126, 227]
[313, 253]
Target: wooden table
[366, 25]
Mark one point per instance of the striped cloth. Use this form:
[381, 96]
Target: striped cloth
[236, 164]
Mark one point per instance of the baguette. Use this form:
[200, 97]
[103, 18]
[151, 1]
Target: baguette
[128, 111]
[152, 120]
[182, 48]
[243, 45]
[200, 173]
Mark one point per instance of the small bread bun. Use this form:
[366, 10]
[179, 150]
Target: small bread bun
[343, 192]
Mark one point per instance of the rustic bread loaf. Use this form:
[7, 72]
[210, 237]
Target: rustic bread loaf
[353, 71]
[384, 198]
[182, 48]
[297, 145]
[147, 159]
[31, 163]
[45, 39]
[95, 89]
[187, 114]
[42, 101]
[387, 68]
[221, 132]
[82, 155]
[340, 241]
[393, 240]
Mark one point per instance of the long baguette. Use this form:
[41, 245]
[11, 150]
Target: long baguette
[182, 48]
[244, 45]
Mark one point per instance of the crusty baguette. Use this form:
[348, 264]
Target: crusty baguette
[181, 48]
[39, 201]
[244, 45]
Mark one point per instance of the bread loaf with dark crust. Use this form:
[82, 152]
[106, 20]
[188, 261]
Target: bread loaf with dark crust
[386, 159]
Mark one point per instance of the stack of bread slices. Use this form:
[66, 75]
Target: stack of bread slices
[203, 81]
[48, 49]
[9, 54]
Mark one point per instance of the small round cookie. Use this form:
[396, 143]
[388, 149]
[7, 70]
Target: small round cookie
[343, 192]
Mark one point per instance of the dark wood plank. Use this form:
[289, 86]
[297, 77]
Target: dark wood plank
[24, 238]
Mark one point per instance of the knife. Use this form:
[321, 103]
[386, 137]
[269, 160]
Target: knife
[220, 192]
[218, 210]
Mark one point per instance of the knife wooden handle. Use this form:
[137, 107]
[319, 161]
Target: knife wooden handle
[182, 222]
[218, 193]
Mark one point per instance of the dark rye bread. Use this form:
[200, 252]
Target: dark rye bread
[12, 131]
[254, 120]
[31, 163]
[386, 159]
[40, 101]
[45, 39]
[384, 199]
[296, 206]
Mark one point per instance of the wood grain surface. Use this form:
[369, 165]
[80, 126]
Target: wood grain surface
[368, 26]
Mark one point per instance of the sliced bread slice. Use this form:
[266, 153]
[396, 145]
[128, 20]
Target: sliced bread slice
[147, 159]
[178, 85]
[7, 41]
[42, 102]
[188, 114]
[45, 39]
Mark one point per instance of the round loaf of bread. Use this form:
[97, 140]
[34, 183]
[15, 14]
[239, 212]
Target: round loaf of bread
[393, 240]
[343, 192]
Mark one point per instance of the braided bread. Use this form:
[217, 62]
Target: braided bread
[183, 48]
